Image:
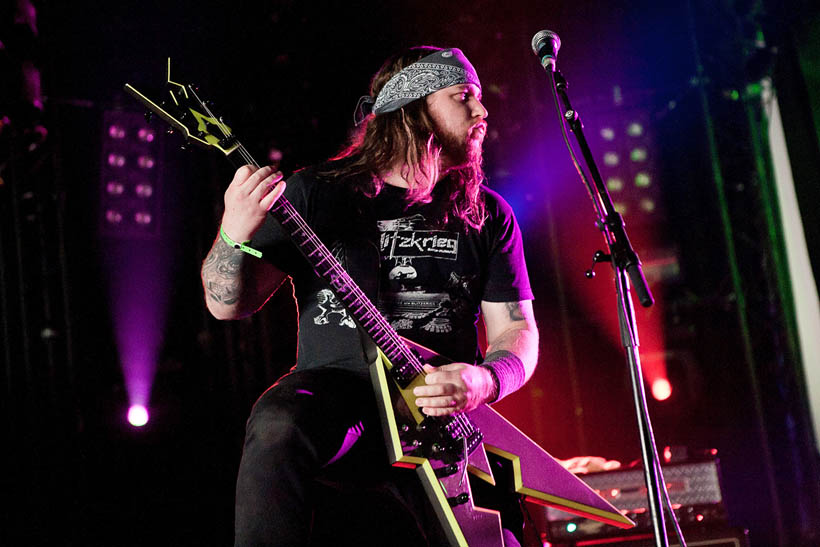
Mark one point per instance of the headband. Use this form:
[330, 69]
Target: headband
[436, 71]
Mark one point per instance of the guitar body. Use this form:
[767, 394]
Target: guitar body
[441, 451]
[412, 440]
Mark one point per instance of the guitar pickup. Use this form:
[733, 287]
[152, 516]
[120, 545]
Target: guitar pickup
[401, 375]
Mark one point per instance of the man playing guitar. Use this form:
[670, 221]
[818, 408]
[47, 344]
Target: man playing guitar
[404, 210]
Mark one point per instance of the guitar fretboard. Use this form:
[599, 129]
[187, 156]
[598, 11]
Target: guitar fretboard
[405, 364]
[326, 266]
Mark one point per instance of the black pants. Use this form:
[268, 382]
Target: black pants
[313, 440]
[314, 470]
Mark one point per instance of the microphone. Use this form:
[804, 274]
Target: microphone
[545, 45]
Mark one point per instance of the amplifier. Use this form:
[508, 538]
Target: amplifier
[694, 488]
[720, 537]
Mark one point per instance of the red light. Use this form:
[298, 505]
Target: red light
[661, 389]
[667, 454]
[699, 517]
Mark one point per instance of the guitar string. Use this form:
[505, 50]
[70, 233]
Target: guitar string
[373, 311]
[461, 419]
[361, 299]
[320, 247]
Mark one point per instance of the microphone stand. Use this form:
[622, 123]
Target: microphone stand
[627, 267]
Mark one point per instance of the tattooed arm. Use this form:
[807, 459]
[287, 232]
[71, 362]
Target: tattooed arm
[237, 284]
[511, 327]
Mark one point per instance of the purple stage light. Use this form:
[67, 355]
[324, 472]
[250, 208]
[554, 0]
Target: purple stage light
[116, 132]
[137, 415]
[144, 190]
[137, 262]
[139, 286]
[116, 160]
[146, 135]
[114, 188]
[113, 217]
[146, 162]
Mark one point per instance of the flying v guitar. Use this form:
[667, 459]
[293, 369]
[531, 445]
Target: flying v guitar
[441, 451]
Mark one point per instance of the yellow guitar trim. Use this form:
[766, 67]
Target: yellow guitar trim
[562, 503]
[202, 119]
[422, 466]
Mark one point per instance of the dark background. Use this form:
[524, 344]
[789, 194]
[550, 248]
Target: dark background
[287, 75]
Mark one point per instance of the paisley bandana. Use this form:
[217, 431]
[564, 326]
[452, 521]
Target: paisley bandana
[435, 71]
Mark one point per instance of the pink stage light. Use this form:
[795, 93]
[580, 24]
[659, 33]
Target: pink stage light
[116, 160]
[142, 217]
[146, 162]
[661, 389]
[137, 415]
[144, 190]
[114, 188]
[146, 135]
[112, 216]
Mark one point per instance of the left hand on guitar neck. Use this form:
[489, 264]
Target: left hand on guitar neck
[454, 388]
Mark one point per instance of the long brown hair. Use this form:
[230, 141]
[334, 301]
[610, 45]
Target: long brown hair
[408, 133]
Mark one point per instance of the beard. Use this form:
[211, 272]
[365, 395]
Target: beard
[458, 151]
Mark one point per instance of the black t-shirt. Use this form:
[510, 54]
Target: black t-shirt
[432, 276]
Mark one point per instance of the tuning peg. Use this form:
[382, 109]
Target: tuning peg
[149, 117]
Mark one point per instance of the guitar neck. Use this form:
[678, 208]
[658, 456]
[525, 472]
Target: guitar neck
[327, 267]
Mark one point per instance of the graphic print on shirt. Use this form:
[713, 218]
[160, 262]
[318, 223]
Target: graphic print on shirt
[329, 306]
[412, 295]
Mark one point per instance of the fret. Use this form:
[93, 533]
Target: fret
[360, 307]
[308, 239]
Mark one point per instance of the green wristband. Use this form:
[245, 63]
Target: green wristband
[236, 245]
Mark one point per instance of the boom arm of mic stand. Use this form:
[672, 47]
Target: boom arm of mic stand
[623, 255]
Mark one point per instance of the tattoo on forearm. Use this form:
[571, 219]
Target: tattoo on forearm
[514, 309]
[221, 274]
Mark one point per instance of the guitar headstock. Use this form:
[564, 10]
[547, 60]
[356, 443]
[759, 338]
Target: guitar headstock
[183, 109]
